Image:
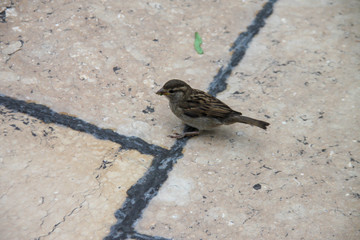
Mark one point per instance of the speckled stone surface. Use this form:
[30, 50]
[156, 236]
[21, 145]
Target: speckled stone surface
[103, 61]
[57, 183]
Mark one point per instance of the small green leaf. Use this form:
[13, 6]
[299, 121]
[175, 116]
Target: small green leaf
[197, 43]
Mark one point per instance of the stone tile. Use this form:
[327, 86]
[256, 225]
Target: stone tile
[99, 53]
[102, 61]
[300, 72]
[58, 182]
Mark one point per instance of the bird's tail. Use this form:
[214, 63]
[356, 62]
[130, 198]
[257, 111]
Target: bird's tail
[251, 121]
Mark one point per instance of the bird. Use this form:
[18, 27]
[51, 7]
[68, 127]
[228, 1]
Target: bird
[200, 110]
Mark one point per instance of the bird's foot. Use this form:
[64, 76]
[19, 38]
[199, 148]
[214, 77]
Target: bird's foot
[185, 134]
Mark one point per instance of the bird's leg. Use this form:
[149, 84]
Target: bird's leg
[185, 134]
[188, 132]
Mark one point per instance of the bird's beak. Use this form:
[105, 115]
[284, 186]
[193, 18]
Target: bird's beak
[162, 92]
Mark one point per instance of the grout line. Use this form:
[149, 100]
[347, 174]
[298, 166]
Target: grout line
[47, 115]
[139, 236]
[239, 48]
[141, 193]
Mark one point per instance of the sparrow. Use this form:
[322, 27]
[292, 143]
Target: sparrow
[200, 110]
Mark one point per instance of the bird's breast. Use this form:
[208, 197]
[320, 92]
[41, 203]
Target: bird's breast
[201, 123]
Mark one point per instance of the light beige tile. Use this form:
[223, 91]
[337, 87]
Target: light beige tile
[54, 181]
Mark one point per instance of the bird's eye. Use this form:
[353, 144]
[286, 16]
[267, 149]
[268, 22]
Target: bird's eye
[171, 91]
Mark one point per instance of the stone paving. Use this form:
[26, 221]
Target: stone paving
[84, 151]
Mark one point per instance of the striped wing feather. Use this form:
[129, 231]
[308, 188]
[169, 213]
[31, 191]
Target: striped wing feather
[201, 104]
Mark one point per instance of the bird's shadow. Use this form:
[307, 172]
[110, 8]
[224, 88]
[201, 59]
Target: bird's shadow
[226, 133]
[222, 132]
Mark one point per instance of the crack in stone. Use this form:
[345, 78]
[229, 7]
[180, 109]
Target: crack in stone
[253, 213]
[3, 194]
[85, 195]
[62, 221]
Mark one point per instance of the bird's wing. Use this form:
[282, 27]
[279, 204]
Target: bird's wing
[201, 104]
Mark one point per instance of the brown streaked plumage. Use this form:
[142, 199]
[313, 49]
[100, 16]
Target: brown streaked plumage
[201, 110]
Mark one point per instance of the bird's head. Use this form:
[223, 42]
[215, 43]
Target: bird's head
[175, 90]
